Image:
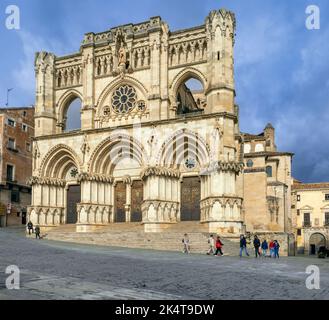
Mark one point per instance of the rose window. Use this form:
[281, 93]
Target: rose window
[124, 99]
[190, 163]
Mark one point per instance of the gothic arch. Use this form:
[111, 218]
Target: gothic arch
[113, 149]
[173, 150]
[64, 102]
[58, 160]
[114, 84]
[185, 75]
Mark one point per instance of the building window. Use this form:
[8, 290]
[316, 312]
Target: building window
[14, 196]
[11, 123]
[10, 172]
[250, 163]
[247, 148]
[24, 127]
[326, 219]
[259, 147]
[298, 197]
[24, 113]
[11, 144]
[327, 197]
[299, 232]
[307, 219]
[298, 212]
[28, 147]
[269, 171]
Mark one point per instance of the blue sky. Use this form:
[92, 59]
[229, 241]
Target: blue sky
[281, 67]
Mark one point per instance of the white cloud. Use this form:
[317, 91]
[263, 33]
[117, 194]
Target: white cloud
[24, 73]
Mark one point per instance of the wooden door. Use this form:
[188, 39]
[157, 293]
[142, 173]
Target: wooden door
[136, 201]
[120, 202]
[190, 199]
[73, 198]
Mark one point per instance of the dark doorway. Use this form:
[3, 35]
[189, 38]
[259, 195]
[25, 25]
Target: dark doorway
[73, 198]
[313, 249]
[120, 202]
[136, 201]
[24, 222]
[190, 199]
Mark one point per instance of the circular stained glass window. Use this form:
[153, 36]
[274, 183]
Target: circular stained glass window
[141, 105]
[74, 172]
[250, 163]
[124, 99]
[190, 163]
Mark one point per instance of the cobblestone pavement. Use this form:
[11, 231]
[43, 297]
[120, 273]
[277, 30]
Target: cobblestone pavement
[51, 270]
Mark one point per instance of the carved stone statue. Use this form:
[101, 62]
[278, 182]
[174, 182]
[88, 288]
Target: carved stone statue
[122, 57]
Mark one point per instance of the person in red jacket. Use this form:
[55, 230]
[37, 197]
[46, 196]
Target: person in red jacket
[219, 246]
[272, 247]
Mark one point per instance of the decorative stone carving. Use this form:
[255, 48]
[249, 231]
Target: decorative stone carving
[160, 171]
[95, 177]
[223, 166]
[46, 181]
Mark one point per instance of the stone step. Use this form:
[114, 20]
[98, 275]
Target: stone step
[167, 241]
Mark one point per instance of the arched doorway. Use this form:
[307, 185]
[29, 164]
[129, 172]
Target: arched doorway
[190, 97]
[317, 240]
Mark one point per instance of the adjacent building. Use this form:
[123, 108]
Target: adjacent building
[16, 135]
[310, 207]
[266, 188]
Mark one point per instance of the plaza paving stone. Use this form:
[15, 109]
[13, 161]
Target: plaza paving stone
[53, 270]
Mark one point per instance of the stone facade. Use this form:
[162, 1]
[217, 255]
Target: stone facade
[146, 151]
[16, 135]
[310, 207]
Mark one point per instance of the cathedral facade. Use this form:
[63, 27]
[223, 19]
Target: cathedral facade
[150, 150]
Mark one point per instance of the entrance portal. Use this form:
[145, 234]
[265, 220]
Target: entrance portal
[136, 201]
[120, 201]
[73, 198]
[317, 240]
[190, 199]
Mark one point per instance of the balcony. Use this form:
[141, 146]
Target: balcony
[307, 224]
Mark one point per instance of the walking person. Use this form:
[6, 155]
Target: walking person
[276, 249]
[264, 248]
[257, 246]
[30, 227]
[211, 242]
[272, 245]
[219, 246]
[186, 244]
[37, 232]
[243, 246]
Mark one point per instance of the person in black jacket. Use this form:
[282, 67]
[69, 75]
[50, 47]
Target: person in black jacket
[37, 232]
[243, 246]
[30, 227]
[257, 246]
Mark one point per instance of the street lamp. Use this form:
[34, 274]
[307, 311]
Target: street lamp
[8, 91]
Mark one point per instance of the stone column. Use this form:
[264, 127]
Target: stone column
[161, 203]
[96, 205]
[220, 205]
